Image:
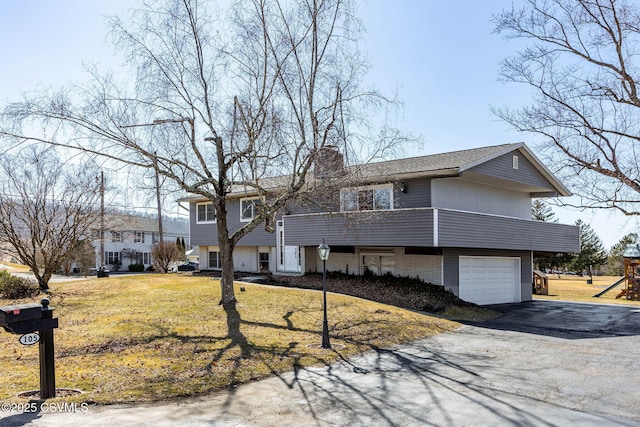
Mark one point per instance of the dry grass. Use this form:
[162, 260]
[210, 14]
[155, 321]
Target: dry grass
[13, 267]
[154, 337]
[576, 288]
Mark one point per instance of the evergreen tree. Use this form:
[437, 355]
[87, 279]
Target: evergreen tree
[182, 248]
[615, 262]
[592, 252]
[540, 211]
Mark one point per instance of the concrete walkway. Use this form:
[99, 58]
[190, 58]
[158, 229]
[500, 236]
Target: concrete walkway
[475, 376]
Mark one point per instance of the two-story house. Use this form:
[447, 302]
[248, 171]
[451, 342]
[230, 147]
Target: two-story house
[461, 220]
[128, 239]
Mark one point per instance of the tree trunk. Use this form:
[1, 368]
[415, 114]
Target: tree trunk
[43, 282]
[226, 245]
[228, 299]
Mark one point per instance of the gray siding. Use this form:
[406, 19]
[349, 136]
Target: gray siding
[502, 167]
[207, 234]
[471, 230]
[201, 234]
[465, 195]
[417, 195]
[415, 227]
[451, 264]
[402, 227]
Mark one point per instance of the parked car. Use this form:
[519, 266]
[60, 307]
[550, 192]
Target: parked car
[188, 266]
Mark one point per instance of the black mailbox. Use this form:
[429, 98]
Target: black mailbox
[19, 313]
[26, 318]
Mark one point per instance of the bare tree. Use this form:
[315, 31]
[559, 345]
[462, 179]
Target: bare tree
[164, 255]
[46, 209]
[131, 254]
[224, 103]
[582, 65]
[85, 256]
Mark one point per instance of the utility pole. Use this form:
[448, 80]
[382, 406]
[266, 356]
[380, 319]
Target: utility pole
[157, 169]
[160, 233]
[101, 220]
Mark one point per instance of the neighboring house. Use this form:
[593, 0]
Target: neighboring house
[128, 240]
[461, 220]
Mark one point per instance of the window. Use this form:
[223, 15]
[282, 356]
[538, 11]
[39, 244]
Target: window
[205, 212]
[116, 236]
[263, 261]
[112, 258]
[378, 264]
[214, 260]
[143, 258]
[515, 162]
[248, 208]
[138, 236]
[366, 198]
[382, 198]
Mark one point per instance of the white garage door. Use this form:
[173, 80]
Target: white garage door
[489, 280]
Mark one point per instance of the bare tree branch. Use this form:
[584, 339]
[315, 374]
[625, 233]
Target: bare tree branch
[46, 209]
[582, 67]
[243, 101]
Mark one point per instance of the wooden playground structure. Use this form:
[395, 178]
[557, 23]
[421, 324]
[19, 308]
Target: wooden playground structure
[540, 283]
[632, 280]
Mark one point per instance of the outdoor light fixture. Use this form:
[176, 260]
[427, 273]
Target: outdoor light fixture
[323, 252]
[403, 187]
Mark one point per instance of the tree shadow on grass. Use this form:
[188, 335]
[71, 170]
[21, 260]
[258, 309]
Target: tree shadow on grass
[237, 339]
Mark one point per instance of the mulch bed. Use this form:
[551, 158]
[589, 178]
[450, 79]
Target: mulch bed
[402, 292]
[398, 291]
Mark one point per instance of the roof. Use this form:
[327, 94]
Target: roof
[444, 162]
[453, 163]
[129, 222]
[632, 250]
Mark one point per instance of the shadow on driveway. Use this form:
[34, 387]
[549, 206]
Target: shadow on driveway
[563, 319]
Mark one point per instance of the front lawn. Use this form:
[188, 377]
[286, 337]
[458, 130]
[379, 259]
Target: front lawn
[153, 337]
[576, 288]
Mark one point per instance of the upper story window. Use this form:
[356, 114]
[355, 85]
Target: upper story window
[248, 208]
[116, 236]
[205, 212]
[138, 237]
[375, 197]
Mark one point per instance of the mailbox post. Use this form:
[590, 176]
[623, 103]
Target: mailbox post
[26, 318]
[47, 365]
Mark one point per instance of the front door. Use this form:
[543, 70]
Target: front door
[288, 256]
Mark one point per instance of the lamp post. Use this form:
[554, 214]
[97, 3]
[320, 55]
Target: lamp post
[323, 251]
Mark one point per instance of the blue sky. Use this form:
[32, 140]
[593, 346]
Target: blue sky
[440, 55]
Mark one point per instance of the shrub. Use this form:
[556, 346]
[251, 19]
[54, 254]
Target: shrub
[14, 287]
[136, 268]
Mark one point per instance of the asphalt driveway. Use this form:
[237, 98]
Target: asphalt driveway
[568, 320]
[541, 364]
